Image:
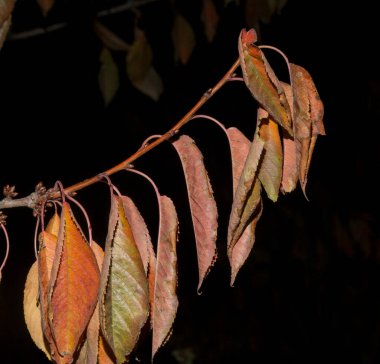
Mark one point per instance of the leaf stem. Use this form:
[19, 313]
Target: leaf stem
[7, 248]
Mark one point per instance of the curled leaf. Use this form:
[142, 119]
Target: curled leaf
[202, 204]
[183, 38]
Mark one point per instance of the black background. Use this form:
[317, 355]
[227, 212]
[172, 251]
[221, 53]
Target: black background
[310, 290]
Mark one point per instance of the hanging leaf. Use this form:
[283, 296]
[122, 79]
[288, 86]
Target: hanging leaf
[32, 313]
[140, 70]
[124, 296]
[270, 172]
[53, 226]
[105, 353]
[45, 5]
[73, 286]
[261, 80]
[239, 253]
[165, 297]
[210, 19]
[247, 194]
[4, 28]
[183, 39]
[308, 118]
[108, 76]
[202, 204]
[109, 39]
[6, 8]
[289, 170]
[151, 280]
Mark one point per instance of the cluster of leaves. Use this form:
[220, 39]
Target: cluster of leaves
[85, 305]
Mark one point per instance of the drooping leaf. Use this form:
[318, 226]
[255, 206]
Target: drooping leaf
[73, 286]
[108, 77]
[246, 199]
[124, 296]
[183, 39]
[165, 296]
[308, 118]
[45, 5]
[53, 225]
[210, 19]
[270, 171]
[238, 254]
[202, 204]
[32, 313]
[262, 82]
[109, 39]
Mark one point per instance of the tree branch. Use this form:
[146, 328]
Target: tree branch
[35, 198]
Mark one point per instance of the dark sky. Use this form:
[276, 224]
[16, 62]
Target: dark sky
[310, 289]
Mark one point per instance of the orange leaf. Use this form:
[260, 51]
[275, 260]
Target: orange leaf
[210, 19]
[53, 226]
[73, 286]
[165, 297]
[183, 38]
[202, 204]
[105, 353]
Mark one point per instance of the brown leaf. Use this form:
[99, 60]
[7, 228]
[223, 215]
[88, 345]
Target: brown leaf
[262, 82]
[210, 19]
[6, 8]
[108, 77]
[73, 286]
[110, 40]
[202, 204]
[308, 119]
[165, 297]
[32, 313]
[4, 28]
[183, 38]
[45, 5]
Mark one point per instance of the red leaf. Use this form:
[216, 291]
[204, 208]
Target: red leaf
[202, 204]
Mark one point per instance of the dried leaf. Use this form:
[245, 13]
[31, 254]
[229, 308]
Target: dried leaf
[308, 118]
[105, 353]
[210, 19]
[53, 225]
[73, 286]
[124, 296]
[109, 38]
[165, 297]
[45, 5]
[108, 76]
[151, 280]
[239, 253]
[270, 171]
[32, 313]
[202, 204]
[4, 28]
[6, 8]
[262, 82]
[183, 39]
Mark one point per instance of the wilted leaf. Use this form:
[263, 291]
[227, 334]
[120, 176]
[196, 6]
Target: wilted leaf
[165, 296]
[270, 171]
[262, 82]
[109, 38]
[183, 38]
[32, 313]
[124, 296]
[73, 286]
[308, 118]
[45, 5]
[202, 204]
[239, 253]
[108, 76]
[210, 19]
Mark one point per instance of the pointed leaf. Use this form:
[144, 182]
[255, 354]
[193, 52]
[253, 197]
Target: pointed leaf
[210, 19]
[32, 313]
[108, 76]
[183, 39]
[165, 296]
[109, 38]
[124, 296]
[202, 204]
[270, 172]
[45, 5]
[73, 285]
[262, 82]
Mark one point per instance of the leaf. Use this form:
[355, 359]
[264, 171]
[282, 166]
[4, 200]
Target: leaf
[239, 252]
[32, 313]
[45, 5]
[108, 76]
[73, 286]
[203, 208]
[151, 85]
[165, 297]
[124, 296]
[53, 226]
[183, 39]
[262, 82]
[245, 200]
[210, 19]
[4, 28]
[6, 8]
[151, 280]
[105, 354]
[109, 39]
[262, 10]
[270, 171]
[308, 115]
